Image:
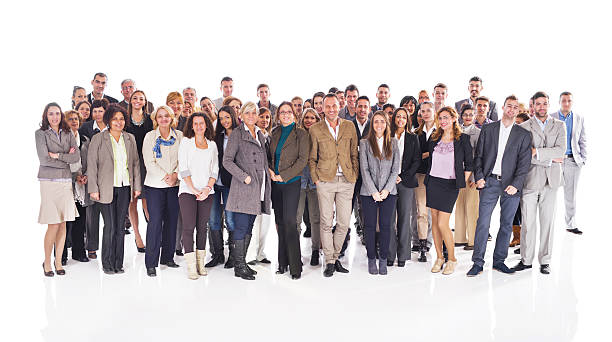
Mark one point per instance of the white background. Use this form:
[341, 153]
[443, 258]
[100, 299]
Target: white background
[298, 48]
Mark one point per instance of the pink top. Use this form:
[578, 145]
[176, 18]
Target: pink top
[443, 161]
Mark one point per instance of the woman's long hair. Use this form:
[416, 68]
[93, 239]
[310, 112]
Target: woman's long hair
[63, 125]
[437, 134]
[371, 137]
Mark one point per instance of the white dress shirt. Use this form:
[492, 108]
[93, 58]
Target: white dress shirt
[400, 144]
[334, 133]
[504, 134]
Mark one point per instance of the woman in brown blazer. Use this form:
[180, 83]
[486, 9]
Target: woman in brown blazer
[289, 149]
[114, 180]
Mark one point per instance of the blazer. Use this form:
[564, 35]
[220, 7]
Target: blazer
[326, 153]
[245, 157]
[550, 144]
[366, 129]
[226, 177]
[109, 98]
[422, 138]
[294, 153]
[464, 160]
[101, 165]
[84, 149]
[411, 160]
[578, 139]
[47, 141]
[377, 174]
[492, 114]
[87, 129]
[516, 158]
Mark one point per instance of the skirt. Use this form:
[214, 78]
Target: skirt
[56, 203]
[441, 194]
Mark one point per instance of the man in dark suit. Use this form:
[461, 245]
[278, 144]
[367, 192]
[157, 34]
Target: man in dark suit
[99, 84]
[362, 127]
[502, 159]
[382, 94]
[475, 87]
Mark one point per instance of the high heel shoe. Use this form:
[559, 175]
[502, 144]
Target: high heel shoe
[140, 249]
[60, 272]
[450, 267]
[47, 274]
[437, 267]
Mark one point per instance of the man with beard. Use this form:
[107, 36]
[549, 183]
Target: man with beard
[475, 88]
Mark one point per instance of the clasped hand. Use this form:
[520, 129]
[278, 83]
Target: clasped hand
[380, 196]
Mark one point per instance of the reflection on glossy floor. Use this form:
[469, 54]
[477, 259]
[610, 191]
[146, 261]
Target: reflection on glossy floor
[410, 303]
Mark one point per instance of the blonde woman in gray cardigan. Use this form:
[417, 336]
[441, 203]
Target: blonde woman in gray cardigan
[56, 149]
[380, 164]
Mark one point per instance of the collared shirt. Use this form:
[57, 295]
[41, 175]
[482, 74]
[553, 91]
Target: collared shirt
[429, 131]
[334, 133]
[543, 127]
[377, 107]
[569, 125]
[379, 142]
[121, 174]
[504, 134]
[360, 126]
[263, 182]
[95, 126]
[400, 144]
[479, 125]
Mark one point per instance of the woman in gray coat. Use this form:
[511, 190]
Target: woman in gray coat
[245, 158]
[380, 165]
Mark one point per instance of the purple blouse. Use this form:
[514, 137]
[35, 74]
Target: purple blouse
[443, 161]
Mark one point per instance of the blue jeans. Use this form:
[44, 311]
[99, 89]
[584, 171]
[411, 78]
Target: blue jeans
[488, 199]
[217, 208]
[243, 225]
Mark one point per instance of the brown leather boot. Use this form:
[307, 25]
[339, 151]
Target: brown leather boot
[516, 236]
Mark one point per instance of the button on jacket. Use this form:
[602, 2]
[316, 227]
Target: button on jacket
[378, 174]
[294, 153]
[47, 141]
[327, 153]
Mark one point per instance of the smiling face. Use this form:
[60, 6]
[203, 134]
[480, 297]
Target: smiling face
[190, 96]
[163, 118]
[99, 83]
[73, 121]
[475, 88]
[468, 117]
[187, 109]
[423, 96]
[227, 87]
[511, 109]
[84, 109]
[127, 89]
[79, 95]
[117, 122]
[285, 115]
[199, 126]
[331, 106]
[362, 110]
[137, 101]
[207, 106]
[401, 118]
[409, 105]
[351, 98]
[176, 105]
[318, 104]
[236, 105]
[264, 120]
[379, 124]
[383, 95]
[341, 99]
[445, 120]
[225, 119]
[440, 94]
[54, 116]
[482, 108]
[250, 117]
[540, 106]
[309, 120]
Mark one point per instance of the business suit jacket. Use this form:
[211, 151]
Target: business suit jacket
[516, 159]
[492, 114]
[87, 129]
[101, 165]
[578, 139]
[326, 153]
[377, 174]
[47, 141]
[84, 149]
[244, 157]
[366, 129]
[109, 98]
[550, 144]
[411, 160]
[294, 153]
[226, 177]
[464, 160]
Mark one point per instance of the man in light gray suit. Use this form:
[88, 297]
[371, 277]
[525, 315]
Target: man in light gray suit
[575, 156]
[543, 179]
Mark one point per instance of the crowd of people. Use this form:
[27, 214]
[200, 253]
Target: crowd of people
[203, 167]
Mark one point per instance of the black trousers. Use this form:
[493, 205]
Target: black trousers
[77, 234]
[163, 208]
[93, 226]
[113, 233]
[285, 198]
[380, 212]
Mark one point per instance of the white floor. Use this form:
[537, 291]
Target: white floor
[410, 303]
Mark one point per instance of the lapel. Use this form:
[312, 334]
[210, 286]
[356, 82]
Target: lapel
[49, 132]
[511, 136]
[106, 141]
[496, 129]
[290, 139]
[341, 131]
[550, 126]
[536, 130]
[127, 142]
[326, 129]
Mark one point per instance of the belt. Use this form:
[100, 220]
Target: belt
[498, 177]
[569, 156]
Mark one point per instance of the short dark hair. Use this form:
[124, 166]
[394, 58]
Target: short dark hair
[476, 79]
[351, 87]
[99, 103]
[63, 125]
[363, 97]
[539, 94]
[523, 116]
[331, 95]
[209, 133]
[205, 98]
[482, 98]
[440, 85]
[407, 99]
[101, 74]
[318, 94]
[565, 93]
[466, 106]
[339, 91]
[332, 90]
[226, 79]
[388, 105]
[110, 112]
[262, 85]
[383, 85]
[510, 97]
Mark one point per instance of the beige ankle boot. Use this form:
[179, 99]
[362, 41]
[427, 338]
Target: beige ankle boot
[450, 267]
[190, 258]
[200, 256]
[437, 267]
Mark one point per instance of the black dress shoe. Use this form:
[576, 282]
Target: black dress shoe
[151, 272]
[47, 274]
[575, 231]
[416, 247]
[329, 270]
[468, 248]
[179, 252]
[108, 271]
[461, 244]
[64, 262]
[265, 261]
[82, 258]
[390, 263]
[281, 269]
[339, 267]
[520, 266]
[544, 269]
[296, 276]
[401, 263]
[307, 233]
[517, 251]
[127, 231]
[119, 270]
[252, 262]
[314, 258]
[170, 264]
